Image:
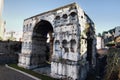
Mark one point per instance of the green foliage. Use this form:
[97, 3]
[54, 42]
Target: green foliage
[110, 44]
[103, 33]
[99, 35]
[113, 64]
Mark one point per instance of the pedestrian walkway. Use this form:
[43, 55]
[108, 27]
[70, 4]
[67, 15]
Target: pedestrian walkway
[8, 74]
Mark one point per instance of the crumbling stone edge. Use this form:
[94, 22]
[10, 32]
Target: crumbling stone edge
[22, 72]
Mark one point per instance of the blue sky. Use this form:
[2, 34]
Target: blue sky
[104, 13]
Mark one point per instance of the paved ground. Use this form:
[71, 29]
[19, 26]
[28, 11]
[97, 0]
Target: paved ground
[43, 70]
[8, 74]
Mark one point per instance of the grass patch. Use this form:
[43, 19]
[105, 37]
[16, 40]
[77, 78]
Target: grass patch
[113, 64]
[40, 76]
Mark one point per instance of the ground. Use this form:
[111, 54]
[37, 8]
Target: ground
[8, 74]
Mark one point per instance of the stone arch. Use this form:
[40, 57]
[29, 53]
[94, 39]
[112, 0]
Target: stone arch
[40, 48]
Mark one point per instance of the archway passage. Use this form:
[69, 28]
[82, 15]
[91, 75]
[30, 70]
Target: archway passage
[89, 50]
[41, 50]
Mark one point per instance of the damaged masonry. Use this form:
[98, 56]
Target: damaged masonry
[72, 42]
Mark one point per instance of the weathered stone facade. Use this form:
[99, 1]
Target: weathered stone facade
[8, 58]
[10, 47]
[9, 51]
[72, 42]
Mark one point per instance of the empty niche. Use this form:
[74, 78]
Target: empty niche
[73, 14]
[24, 29]
[25, 44]
[30, 28]
[57, 18]
[57, 45]
[65, 45]
[27, 27]
[65, 16]
[72, 45]
[30, 45]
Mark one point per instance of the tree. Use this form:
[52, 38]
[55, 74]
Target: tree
[99, 35]
[113, 64]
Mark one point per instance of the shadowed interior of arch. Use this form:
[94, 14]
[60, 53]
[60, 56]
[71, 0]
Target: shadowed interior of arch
[41, 50]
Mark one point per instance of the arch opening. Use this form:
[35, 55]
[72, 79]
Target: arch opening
[42, 49]
[89, 50]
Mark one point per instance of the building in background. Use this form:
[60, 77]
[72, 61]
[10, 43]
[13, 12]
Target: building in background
[13, 36]
[108, 37]
[117, 36]
[100, 42]
[2, 22]
[117, 31]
